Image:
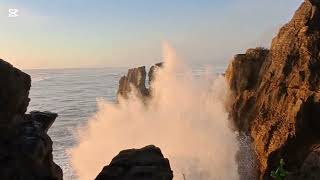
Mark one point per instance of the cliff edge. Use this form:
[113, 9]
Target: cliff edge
[25, 147]
[276, 95]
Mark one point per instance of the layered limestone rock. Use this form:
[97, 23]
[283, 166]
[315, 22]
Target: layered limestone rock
[135, 78]
[243, 76]
[135, 81]
[147, 163]
[277, 92]
[25, 147]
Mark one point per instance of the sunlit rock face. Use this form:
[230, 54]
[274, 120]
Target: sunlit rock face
[25, 147]
[146, 163]
[135, 80]
[277, 91]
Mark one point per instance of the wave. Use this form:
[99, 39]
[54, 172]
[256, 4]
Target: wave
[39, 78]
[186, 118]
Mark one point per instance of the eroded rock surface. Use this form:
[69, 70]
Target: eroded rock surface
[25, 147]
[147, 163]
[135, 80]
[277, 92]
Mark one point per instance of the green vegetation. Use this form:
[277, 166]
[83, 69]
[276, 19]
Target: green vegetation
[280, 173]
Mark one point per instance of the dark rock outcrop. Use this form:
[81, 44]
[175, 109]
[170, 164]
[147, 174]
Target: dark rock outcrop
[277, 92]
[147, 163]
[14, 100]
[153, 70]
[25, 147]
[136, 78]
[310, 168]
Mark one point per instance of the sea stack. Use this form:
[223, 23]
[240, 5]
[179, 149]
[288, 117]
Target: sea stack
[276, 96]
[135, 81]
[135, 78]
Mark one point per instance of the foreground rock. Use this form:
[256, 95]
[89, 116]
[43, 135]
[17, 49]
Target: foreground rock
[25, 147]
[277, 92]
[135, 81]
[147, 163]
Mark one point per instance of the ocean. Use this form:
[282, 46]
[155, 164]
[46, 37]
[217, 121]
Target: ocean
[73, 94]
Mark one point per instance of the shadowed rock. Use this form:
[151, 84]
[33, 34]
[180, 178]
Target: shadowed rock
[277, 92]
[44, 119]
[310, 168]
[153, 70]
[25, 147]
[147, 163]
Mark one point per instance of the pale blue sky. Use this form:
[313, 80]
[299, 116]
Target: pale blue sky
[105, 33]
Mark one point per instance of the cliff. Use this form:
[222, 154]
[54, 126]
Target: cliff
[25, 147]
[276, 95]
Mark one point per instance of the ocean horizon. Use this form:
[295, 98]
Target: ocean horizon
[73, 93]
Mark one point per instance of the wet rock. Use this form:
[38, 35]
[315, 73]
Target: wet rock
[25, 147]
[147, 163]
[276, 93]
[153, 70]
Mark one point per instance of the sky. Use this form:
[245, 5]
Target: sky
[126, 33]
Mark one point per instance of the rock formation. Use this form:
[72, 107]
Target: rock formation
[310, 168]
[277, 91]
[136, 78]
[25, 147]
[147, 163]
[153, 70]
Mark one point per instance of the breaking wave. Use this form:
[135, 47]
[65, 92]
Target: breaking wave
[186, 118]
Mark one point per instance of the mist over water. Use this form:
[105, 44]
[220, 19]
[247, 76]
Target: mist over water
[186, 118]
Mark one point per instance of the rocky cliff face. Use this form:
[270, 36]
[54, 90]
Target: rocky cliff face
[136, 79]
[147, 163]
[25, 147]
[277, 92]
[153, 70]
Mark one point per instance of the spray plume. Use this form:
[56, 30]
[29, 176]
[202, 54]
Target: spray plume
[185, 117]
